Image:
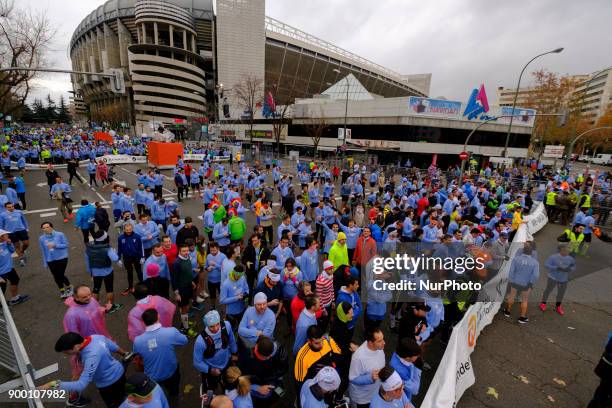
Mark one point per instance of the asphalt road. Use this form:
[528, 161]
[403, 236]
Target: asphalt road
[541, 351]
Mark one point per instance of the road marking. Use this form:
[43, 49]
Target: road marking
[84, 179]
[49, 214]
[100, 196]
[55, 208]
[42, 184]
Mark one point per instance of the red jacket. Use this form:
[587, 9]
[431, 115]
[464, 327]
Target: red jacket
[422, 205]
[363, 253]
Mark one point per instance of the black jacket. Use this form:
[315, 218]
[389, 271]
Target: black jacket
[248, 257]
[186, 233]
[101, 219]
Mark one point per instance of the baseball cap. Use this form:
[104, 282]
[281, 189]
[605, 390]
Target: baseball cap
[140, 385]
[3, 232]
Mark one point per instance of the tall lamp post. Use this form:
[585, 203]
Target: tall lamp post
[337, 71]
[469, 136]
[518, 85]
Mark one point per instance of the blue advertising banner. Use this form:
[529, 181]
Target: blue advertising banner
[436, 107]
[525, 117]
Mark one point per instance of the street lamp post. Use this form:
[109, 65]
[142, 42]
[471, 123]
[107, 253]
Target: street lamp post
[573, 142]
[337, 71]
[518, 85]
[469, 136]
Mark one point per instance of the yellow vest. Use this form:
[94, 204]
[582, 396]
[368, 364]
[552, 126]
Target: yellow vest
[587, 201]
[574, 242]
[550, 198]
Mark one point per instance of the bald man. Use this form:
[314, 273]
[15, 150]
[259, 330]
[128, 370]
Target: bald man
[221, 401]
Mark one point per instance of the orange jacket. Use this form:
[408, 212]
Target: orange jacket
[363, 253]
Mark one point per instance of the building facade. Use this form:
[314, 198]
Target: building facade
[182, 60]
[595, 100]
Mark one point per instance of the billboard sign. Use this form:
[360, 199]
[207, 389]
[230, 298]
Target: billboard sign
[433, 107]
[554, 151]
[526, 117]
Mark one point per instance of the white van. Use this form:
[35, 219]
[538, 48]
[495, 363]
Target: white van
[602, 158]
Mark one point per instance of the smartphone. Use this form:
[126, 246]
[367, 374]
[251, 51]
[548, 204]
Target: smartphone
[280, 392]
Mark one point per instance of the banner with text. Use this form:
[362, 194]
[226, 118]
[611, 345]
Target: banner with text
[455, 374]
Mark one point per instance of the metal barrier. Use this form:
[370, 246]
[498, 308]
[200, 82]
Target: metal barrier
[14, 358]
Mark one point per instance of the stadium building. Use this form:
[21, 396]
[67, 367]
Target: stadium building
[182, 59]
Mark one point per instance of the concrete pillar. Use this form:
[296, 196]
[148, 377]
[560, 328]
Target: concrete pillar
[125, 39]
[185, 40]
[193, 43]
[156, 37]
[171, 32]
[144, 34]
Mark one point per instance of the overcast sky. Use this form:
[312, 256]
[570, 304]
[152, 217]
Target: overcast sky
[463, 43]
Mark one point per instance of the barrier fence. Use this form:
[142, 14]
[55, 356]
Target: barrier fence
[14, 358]
[455, 374]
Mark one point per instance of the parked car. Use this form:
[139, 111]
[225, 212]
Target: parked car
[602, 158]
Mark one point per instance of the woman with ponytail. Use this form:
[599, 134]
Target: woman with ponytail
[237, 387]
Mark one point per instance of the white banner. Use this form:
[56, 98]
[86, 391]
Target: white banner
[109, 159]
[201, 157]
[122, 159]
[455, 374]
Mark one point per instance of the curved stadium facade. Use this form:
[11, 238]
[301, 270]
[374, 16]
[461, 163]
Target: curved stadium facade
[175, 54]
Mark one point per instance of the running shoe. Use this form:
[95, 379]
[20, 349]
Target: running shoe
[560, 310]
[200, 299]
[189, 332]
[79, 402]
[64, 294]
[18, 299]
[65, 219]
[115, 307]
[126, 292]
[69, 290]
[523, 320]
[543, 307]
[506, 312]
[22, 262]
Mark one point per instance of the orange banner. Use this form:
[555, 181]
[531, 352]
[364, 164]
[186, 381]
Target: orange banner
[103, 136]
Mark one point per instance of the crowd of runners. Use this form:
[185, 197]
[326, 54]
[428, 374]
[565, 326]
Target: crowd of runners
[277, 304]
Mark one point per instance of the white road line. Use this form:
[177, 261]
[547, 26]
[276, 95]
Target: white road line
[100, 196]
[86, 182]
[55, 208]
[49, 214]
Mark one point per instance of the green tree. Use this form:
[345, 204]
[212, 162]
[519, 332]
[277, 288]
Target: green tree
[51, 110]
[26, 114]
[40, 112]
[63, 116]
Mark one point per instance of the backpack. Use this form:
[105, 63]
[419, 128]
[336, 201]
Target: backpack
[211, 350]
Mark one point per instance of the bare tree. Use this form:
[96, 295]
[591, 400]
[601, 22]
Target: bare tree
[24, 41]
[279, 118]
[248, 93]
[316, 129]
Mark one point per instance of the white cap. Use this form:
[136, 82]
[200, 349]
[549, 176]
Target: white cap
[3, 232]
[393, 382]
[328, 379]
[260, 297]
[327, 264]
[274, 277]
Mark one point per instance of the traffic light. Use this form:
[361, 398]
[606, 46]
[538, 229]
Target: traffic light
[117, 82]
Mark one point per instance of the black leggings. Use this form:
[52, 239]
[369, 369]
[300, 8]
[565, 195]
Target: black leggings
[132, 265]
[114, 394]
[22, 198]
[92, 179]
[58, 270]
[72, 175]
[550, 285]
